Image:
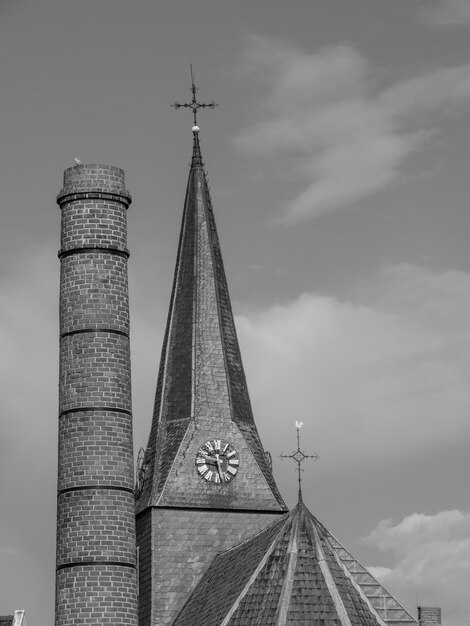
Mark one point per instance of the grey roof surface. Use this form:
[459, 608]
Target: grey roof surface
[200, 327]
[292, 574]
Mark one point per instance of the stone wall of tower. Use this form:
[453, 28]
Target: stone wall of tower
[96, 553]
[176, 546]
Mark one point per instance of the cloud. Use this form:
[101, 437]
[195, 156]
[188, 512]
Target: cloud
[385, 368]
[432, 557]
[448, 13]
[341, 138]
[379, 572]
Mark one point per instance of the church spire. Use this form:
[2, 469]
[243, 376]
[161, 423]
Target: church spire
[202, 396]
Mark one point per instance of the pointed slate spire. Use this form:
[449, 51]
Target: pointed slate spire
[201, 389]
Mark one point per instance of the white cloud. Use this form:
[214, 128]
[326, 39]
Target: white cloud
[341, 138]
[432, 558]
[379, 572]
[386, 370]
[449, 12]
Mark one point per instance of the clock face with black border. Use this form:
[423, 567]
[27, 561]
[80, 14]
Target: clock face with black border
[217, 461]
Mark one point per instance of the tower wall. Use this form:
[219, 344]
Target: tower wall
[176, 546]
[96, 553]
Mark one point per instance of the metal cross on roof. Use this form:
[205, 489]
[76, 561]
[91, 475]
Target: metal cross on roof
[194, 105]
[299, 457]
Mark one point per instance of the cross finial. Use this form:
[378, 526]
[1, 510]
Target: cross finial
[194, 105]
[298, 456]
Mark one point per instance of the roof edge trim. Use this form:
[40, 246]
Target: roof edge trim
[350, 575]
[177, 456]
[330, 583]
[360, 591]
[282, 506]
[251, 580]
[286, 591]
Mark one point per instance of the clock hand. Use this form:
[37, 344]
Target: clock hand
[208, 458]
[219, 468]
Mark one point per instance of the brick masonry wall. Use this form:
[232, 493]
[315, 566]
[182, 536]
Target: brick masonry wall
[96, 564]
[108, 586]
[429, 616]
[176, 546]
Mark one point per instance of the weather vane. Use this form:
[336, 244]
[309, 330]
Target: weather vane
[194, 105]
[299, 457]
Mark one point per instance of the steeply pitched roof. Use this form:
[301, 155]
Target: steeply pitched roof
[289, 574]
[201, 388]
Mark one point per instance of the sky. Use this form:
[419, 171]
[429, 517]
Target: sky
[339, 171]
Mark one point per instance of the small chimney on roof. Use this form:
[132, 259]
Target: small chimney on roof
[429, 616]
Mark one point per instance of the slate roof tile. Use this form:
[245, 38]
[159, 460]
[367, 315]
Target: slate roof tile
[225, 579]
[289, 574]
[199, 272]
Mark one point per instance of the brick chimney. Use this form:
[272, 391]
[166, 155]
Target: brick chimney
[429, 616]
[96, 564]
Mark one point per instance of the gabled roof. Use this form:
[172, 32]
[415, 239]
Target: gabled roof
[289, 574]
[18, 619]
[201, 387]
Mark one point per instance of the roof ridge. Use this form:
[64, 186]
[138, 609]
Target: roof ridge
[286, 591]
[250, 582]
[329, 580]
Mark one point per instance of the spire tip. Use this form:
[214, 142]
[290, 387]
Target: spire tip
[298, 456]
[194, 105]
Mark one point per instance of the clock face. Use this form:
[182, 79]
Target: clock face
[217, 461]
